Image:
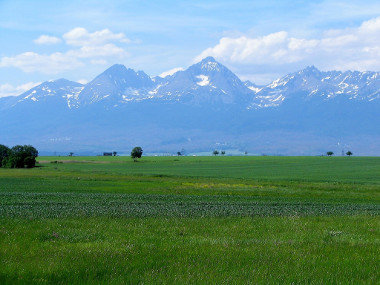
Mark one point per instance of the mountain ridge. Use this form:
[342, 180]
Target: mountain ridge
[211, 81]
[205, 106]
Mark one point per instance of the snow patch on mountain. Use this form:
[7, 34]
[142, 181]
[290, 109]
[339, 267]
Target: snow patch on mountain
[204, 80]
[171, 72]
[255, 88]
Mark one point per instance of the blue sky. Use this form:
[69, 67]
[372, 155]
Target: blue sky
[258, 40]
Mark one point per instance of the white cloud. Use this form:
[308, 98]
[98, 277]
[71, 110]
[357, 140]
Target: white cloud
[81, 37]
[98, 51]
[34, 62]
[171, 71]
[47, 40]
[354, 48]
[90, 48]
[98, 61]
[10, 90]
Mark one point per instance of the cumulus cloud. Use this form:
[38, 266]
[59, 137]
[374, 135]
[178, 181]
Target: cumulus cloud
[355, 48]
[99, 61]
[81, 37]
[86, 48]
[98, 51]
[34, 62]
[10, 90]
[47, 40]
[171, 71]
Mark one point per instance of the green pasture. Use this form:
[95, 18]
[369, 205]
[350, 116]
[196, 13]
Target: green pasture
[191, 220]
[309, 169]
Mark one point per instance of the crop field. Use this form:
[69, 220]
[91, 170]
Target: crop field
[191, 220]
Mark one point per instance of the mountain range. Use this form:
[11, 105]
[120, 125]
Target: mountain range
[202, 108]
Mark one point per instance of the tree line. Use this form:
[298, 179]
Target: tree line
[21, 156]
[348, 153]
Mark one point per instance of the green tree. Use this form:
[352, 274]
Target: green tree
[222, 152]
[4, 153]
[31, 151]
[114, 153]
[329, 153]
[349, 153]
[215, 152]
[21, 156]
[30, 161]
[136, 153]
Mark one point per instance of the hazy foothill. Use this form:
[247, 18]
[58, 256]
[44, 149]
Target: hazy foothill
[189, 142]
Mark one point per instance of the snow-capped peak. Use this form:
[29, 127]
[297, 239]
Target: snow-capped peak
[210, 64]
[313, 84]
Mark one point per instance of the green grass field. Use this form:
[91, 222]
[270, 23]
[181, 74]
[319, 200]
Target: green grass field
[191, 220]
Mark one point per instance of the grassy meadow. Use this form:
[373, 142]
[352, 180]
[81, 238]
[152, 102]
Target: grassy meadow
[191, 220]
